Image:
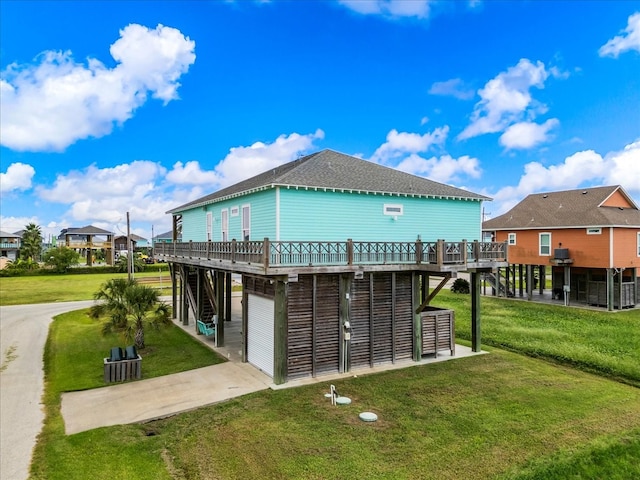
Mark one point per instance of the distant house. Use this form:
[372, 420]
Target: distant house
[9, 247]
[335, 255]
[589, 238]
[86, 240]
[166, 237]
[120, 242]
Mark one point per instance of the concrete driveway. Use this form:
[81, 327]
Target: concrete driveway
[23, 333]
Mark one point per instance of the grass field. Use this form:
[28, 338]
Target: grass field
[498, 416]
[66, 288]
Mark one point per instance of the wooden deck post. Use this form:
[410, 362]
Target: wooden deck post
[266, 252]
[440, 252]
[344, 314]
[227, 303]
[280, 333]
[416, 300]
[475, 312]
[349, 252]
[220, 276]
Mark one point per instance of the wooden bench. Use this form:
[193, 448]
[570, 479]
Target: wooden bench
[207, 329]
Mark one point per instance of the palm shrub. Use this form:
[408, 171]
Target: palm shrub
[128, 306]
[460, 285]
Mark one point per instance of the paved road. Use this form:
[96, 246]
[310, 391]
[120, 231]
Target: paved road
[23, 333]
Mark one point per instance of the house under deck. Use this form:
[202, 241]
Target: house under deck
[310, 308]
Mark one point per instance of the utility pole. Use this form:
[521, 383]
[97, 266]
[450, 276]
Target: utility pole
[129, 252]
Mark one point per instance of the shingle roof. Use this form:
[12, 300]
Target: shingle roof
[9, 235]
[571, 208]
[333, 170]
[87, 230]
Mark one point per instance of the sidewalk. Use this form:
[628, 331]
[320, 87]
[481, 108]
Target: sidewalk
[159, 397]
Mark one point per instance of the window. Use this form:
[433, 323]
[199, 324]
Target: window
[594, 231]
[394, 209]
[209, 226]
[512, 239]
[235, 211]
[246, 222]
[224, 224]
[545, 244]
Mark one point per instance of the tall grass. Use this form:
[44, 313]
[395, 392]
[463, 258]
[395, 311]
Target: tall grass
[604, 342]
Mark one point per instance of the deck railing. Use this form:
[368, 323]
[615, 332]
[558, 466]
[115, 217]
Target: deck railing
[292, 254]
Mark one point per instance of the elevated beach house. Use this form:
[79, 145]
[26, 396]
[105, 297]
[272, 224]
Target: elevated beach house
[335, 255]
[588, 238]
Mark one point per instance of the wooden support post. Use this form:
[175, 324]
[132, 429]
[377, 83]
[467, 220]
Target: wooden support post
[199, 295]
[529, 281]
[610, 289]
[417, 323]
[521, 280]
[185, 301]
[229, 292]
[245, 317]
[345, 316]
[475, 312]
[280, 333]
[174, 290]
[220, 303]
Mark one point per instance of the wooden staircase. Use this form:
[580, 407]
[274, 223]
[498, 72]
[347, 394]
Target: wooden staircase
[209, 309]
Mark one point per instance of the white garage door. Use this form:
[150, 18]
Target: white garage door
[260, 333]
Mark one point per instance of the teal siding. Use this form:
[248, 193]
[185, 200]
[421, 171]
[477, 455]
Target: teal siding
[334, 216]
[307, 215]
[262, 204]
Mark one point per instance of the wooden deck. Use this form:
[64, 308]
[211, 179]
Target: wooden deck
[281, 258]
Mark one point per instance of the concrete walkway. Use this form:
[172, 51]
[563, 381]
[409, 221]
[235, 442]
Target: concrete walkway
[159, 397]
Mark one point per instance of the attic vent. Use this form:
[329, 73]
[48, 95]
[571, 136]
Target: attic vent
[545, 195]
[620, 208]
[584, 192]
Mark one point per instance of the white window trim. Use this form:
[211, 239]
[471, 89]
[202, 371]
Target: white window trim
[224, 224]
[247, 235]
[209, 226]
[393, 209]
[540, 244]
[510, 237]
[639, 244]
[594, 231]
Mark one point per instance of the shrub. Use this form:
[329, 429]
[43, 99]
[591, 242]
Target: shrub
[460, 286]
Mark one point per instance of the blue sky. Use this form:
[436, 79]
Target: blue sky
[140, 106]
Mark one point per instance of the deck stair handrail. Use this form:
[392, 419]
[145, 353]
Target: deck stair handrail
[331, 253]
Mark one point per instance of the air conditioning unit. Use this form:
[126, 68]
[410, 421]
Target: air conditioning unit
[561, 254]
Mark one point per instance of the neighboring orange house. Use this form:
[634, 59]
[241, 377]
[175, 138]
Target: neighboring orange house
[589, 237]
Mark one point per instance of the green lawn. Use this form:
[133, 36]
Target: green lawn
[500, 415]
[595, 340]
[497, 416]
[64, 288]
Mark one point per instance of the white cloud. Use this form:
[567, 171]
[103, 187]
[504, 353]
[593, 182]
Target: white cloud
[105, 195]
[506, 99]
[190, 173]
[244, 162]
[628, 40]
[390, 8]
[584, 168]
[18, 177]
[55, 102]
[527, 134]
[444, 169]
[399, 144]
[625, 168]
[454, 87]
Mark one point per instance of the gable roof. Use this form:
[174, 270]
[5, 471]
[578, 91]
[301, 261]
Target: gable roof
[332, 170]
[134, 237]
[586, 207]
[4, 234]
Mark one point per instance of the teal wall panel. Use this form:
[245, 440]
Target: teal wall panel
[307, 215]
[333, 216]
